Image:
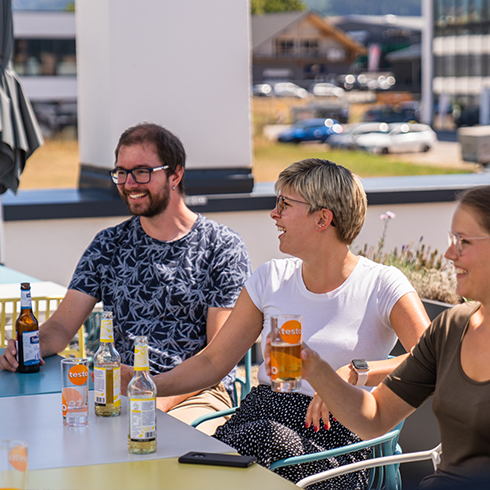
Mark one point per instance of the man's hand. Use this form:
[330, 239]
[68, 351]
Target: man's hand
[8, 360]
[126, 376]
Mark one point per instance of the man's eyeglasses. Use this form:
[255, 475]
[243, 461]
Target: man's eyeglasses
[140, 175]
[458, 242]
[280, 203]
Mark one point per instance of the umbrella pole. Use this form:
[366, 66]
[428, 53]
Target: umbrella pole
[2, 241]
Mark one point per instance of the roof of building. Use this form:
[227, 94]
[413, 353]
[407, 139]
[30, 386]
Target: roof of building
[267, 26]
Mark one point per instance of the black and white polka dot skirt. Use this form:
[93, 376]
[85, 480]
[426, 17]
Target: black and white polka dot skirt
[271, 426]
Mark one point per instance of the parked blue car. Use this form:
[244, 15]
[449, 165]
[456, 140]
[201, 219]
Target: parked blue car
[310, 130]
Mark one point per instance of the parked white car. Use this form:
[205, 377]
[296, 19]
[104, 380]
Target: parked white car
[401, 138]
[347, 137]
[289, 89]
[327, 90]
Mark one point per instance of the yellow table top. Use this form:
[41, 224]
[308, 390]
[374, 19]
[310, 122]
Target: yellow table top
[156, 474]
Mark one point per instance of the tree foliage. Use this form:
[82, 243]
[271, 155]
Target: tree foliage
[268, 6]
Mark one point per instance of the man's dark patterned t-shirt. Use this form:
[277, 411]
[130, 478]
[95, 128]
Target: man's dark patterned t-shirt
[163, 289]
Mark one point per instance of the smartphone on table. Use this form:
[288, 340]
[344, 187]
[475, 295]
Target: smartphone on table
[218, 459]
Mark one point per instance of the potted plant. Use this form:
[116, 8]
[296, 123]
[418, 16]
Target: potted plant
[431, 275]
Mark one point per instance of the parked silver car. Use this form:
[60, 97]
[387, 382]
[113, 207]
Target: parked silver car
[347, 137]
[401, 138]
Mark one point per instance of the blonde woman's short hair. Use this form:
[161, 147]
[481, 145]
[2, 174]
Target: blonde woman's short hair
[324, 184]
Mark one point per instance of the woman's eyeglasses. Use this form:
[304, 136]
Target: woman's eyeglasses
[280, 203]
[458, 242]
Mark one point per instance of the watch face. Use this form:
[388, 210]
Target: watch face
[360, 364]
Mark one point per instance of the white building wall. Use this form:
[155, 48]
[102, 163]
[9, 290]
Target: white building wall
[56, 245]
[43, 24]
[50, 88]
[160, 62]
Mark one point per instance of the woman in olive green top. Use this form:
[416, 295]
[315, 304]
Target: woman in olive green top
[451, 361]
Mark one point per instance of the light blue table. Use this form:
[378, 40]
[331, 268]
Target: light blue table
[9, 276]
[47, 380]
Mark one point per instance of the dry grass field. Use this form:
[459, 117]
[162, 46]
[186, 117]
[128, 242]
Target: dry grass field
[55, 164]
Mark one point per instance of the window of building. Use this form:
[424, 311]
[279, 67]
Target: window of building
[475, 65]
[475, 11]
[486, 65]
[284, 47]
[309, 47]
[449, 66]
[461, 65]
[462, 12]
[438, 67]
[45, 57]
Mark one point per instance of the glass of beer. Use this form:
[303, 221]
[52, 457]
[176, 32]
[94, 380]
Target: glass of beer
[285, 353]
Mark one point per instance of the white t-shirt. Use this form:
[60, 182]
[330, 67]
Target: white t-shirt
[351, 322]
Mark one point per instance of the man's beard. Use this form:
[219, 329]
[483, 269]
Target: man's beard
[158, 204]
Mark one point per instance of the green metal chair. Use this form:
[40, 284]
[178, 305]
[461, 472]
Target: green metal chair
[385, 445]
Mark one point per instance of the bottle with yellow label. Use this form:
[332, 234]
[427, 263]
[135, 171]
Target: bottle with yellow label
[142, 436]
[107, 371]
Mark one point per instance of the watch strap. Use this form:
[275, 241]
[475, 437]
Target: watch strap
[362, 377]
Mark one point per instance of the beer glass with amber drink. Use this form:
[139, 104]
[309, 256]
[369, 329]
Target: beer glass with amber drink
[285, 353]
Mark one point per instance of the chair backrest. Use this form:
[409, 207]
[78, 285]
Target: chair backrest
[43, 307]
[242, 387]
[92, 334]
[377, 462]
[384, 445]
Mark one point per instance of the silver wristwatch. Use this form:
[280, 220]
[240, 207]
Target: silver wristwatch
[361, 367]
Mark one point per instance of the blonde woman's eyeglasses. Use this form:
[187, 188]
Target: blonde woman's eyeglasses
[280, 203]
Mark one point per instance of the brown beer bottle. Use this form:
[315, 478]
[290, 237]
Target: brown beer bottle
[27, 334]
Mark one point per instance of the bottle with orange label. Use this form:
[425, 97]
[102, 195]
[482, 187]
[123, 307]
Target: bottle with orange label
[27, 334]
[286, 353]
[142, 436]
[107, 371]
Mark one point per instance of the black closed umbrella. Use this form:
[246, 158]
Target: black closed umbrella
[20, 134]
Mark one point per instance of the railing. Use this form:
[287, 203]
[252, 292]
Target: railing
[43, 307]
